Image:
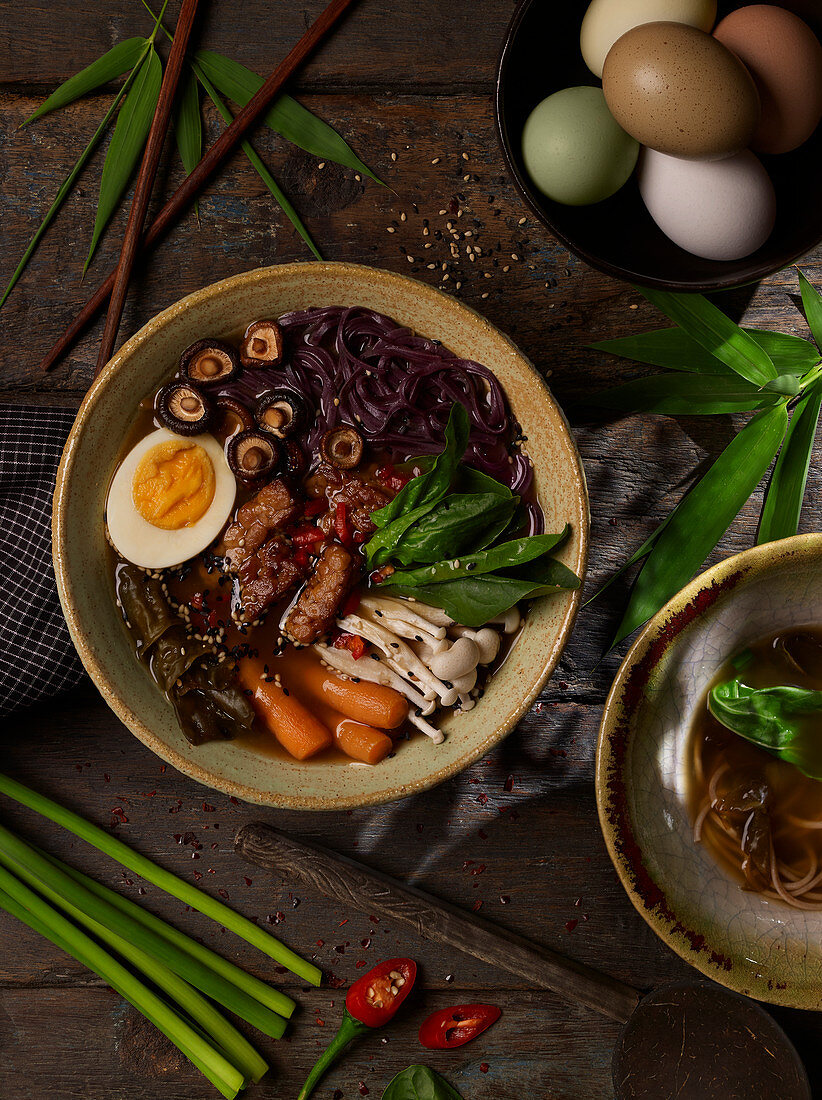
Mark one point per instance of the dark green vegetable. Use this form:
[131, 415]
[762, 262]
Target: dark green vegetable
[144, 605]
[686, 395]
[508, 555]
[454, 526]
[420, 1083]
[783, 503]
[173, 654]
[783, 720]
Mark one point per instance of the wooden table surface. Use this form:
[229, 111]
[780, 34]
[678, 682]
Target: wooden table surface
[410, 86]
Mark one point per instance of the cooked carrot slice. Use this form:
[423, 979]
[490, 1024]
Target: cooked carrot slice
[294, 726]
[372, 704]
[362, 742]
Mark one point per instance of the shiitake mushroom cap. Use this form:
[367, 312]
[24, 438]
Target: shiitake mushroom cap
[342, 447]
[183, 409]
[262, 344]
[209, 363]
[232, 417]
[252, 455]
[281, 412]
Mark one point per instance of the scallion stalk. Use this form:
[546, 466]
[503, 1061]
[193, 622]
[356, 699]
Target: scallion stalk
[272, 998]
[228, 1039]
[167, 881]
[35, 869]
[34, 911]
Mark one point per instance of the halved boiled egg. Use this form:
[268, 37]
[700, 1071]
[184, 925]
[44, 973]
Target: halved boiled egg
[169, 499]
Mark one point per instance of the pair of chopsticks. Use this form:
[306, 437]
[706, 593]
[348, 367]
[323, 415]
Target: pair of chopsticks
[115, 286]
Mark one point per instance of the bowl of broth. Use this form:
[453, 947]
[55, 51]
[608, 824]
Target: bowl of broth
[708, 772]
[265, 528]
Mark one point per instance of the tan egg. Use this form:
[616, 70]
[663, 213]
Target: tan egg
[784, 57]
[607, 20]
[680, 91]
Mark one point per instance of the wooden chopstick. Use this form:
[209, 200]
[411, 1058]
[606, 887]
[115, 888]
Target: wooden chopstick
[352, 883]
[214, 159]
[145, 180]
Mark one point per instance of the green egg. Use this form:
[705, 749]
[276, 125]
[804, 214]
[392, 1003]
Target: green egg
[574, 150]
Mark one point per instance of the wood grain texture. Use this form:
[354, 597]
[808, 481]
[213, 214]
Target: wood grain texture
[515, 838]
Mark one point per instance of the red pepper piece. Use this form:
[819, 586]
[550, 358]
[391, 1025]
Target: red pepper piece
[355, 645]
[342, 528]
[454, 1027]
[352, 603]
[391, 477]
[375, 997]
[307, 535]
[315, 507]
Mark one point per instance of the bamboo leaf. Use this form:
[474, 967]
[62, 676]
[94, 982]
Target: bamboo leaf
[188, 125]
[702, 517]
[788, 385]
[641, 552]
[130, 133]
[68, 183]
[286, 117]
[783, 503]
[675, 349]
[812, 304]
[716, 333]
[118, 60]
[258, 164]
[684, 395]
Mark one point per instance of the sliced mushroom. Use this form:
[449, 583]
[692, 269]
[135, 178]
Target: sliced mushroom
[209, 363]
[510, 621]
[183, 409]
[232, 417]
[487, 639]
[252, 455]
[281, 412]
[262, 345]
[457, 661]
[342, 447]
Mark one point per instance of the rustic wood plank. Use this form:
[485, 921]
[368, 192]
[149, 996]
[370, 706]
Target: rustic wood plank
[382, 44]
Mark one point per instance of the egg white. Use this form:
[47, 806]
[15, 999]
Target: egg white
[150, 547]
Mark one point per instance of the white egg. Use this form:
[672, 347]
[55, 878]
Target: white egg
[717, 209]
[607, 20]
[175, 536]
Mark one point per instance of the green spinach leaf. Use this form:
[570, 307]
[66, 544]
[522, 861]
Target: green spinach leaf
[420, 1083]
[509, 555]
[454, 526]
[776, 718]
[431, 486]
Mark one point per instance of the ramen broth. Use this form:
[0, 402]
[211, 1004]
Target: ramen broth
[760, 816]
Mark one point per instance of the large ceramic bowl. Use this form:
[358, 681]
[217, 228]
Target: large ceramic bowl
[741, 939]
[104, 420]
[539, 56]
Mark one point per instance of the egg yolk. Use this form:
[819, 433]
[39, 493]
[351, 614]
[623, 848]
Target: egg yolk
[173, 485]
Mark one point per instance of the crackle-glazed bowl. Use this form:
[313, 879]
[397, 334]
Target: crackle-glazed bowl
[739, 938]
[105, 418]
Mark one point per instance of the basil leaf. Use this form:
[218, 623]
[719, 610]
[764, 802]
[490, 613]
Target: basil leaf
[453, 527]
[783, 503]
[419, 1083]
[472, 601]
[702, 517]
[118, 60]
[431, 486]
[126, 147]
[509, 555]
[675, 349]
[716, 333]
[684, 395]
[286, 117]
[775, 718]
[812, 304]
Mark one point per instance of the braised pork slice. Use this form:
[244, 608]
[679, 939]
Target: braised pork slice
[267, 575]
[342, 487]
[268, 511]
[315, 610]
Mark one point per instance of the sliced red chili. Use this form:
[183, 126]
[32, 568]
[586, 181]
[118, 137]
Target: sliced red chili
[391, 477]
[375, 997]
[307, 535]
[352, 603]
[454, 1027]
[342, 528]
[315, 507]
[355, 645]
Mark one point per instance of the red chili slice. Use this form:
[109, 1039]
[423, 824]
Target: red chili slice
[342, 528]
[375, 997]
[454, 1027]
[307, 535]
[355, 645]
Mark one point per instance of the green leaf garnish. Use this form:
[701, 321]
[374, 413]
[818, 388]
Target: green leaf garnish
[286, 117]
[783, 501]
[419, 1083]
[508, 555]
[702, 517]
[715, 332]
[812, 304]
[775, 718]
[188, 125]
[118, 60]
[685, 394]
[125, 150]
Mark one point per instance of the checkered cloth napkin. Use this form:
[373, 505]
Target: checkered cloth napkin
[37, 658]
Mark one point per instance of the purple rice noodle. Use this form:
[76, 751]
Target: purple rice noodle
[358, 367]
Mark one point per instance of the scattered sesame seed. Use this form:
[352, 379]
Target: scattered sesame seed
[633, 307]
[522, 221]
[443, 212]
[393, 156]
[465, 156]
[486, 275]
[449, 225]
[336, 400]
[471, 257]
[409, 257]
[390, 229]
[445, 277]
[430, 266]
[436, 160]
[507, 267]
[514, 256]
[403, 217]
[466, 178]
[428, 245]
[458, 285]
[358, 178]
[485, 295]
[321, 164]
[425, 232]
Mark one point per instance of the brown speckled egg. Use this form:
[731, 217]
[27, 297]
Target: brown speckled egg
[784, 57]
[680, 91]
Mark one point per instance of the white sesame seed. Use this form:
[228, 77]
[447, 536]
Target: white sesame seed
[403, 217]
[522, 221]
[336, 400]
[458, 285]
[390, 229]
[487, 275]
[449, 225]
[507, 267]
[393, 156]
[471, 257]
[428, 245]
[633, 307]
[514, 256]
[469, 232]
[466, 179]
[436, 160]
[425, 231]
[485, 295]
[430, 266]
[443, 211]
[321, 164]
[410, 258]
[358, 178]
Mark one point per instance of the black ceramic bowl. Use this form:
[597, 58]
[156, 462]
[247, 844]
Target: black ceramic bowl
[541, 55]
